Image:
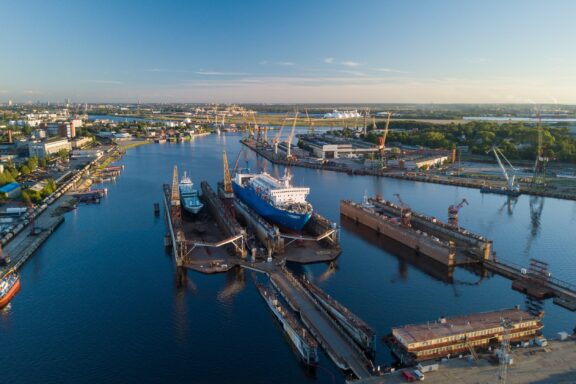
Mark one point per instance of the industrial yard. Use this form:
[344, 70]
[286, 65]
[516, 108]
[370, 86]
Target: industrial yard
[553, 364]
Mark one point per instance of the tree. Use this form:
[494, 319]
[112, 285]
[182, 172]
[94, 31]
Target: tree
[26, 197]
[63, 154]
[24, 169]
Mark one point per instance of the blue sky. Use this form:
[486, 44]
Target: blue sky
[424, 51]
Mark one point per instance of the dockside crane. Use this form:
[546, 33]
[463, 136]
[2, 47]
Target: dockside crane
[405, 212]
[279, 134]
[453, 213]
[510, 179]
[310, 123]
[290, 138]
[227, 176]
[539, 176]
[382, 141]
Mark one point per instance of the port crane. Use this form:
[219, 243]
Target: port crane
[279, 134]
[405, 212]
[382, 140]
[539, 176]
[310, 123]
[290, 138]
[510, 179]
[453, 213]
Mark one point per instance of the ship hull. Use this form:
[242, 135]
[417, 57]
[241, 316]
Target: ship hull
[10, 294]
[284, 219]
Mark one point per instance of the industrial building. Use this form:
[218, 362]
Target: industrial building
[451, 336]
[48, 147]
[419, 162]
[10, 190]
[87, 153]
[332, 147]
[80, 142]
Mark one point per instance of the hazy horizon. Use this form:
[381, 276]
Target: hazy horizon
[406, 52]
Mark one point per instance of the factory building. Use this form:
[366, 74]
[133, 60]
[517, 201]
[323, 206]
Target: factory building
[451, 336]
[49, 147]
[330, 147]
[10, 190]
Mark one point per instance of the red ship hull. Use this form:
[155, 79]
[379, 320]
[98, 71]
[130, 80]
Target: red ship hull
[4, 300]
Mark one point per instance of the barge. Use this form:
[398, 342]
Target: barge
[302, 340]
[452, 336]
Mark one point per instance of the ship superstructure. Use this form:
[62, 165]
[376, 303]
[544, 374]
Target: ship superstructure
[274, 199]
[189, 196]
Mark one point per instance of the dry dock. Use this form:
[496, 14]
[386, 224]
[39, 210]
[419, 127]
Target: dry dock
[375, 219]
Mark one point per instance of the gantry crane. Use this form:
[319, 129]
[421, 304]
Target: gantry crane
[405, 212]
[290, 138]
[382, 141]
[453, 213]
[510, 179]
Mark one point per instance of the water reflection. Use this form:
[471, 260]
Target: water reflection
[235, 283]
[406, 256]
[510, 203]
[536, 208]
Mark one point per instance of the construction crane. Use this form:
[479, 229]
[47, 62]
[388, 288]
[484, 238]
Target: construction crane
[382, 141]
[290, 138]
[453, 213]
[510, 179]
[405, 212]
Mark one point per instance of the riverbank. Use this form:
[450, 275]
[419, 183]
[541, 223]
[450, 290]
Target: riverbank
[31, 237]
[436, 179]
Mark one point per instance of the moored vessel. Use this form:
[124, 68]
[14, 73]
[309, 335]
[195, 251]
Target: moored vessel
[189, 196]
[276, 200]
[9, 287]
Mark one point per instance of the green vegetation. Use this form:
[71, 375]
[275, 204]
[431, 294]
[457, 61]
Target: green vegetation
[516, 140]
[30, 195]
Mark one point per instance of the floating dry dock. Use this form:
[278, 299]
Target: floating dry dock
[356, 328]
[451, 336]
[302, 340]
[399, 230]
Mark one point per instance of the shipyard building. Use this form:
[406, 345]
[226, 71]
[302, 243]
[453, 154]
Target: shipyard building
[452, 336]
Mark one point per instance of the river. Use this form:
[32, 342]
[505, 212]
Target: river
[99, 302]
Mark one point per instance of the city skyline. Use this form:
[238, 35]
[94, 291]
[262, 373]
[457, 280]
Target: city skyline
[368, 51]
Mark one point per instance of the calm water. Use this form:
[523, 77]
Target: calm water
[99, 304]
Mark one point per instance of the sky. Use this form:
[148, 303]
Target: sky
[299, 51]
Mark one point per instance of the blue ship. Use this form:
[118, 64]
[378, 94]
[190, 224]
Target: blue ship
[277, 201]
